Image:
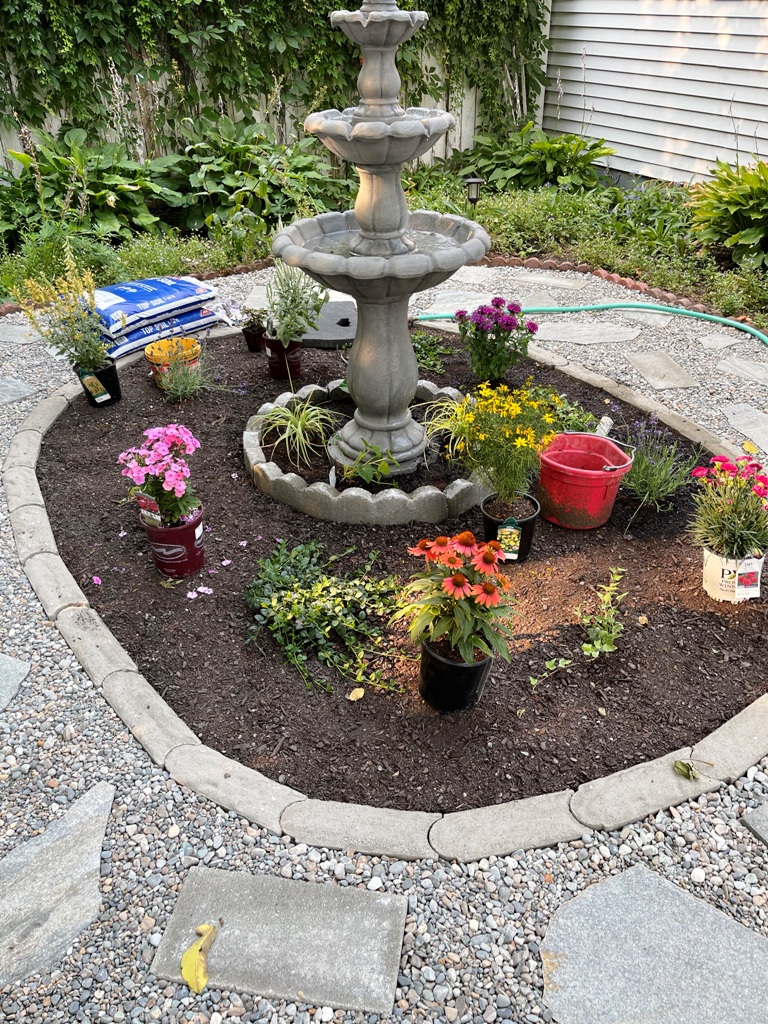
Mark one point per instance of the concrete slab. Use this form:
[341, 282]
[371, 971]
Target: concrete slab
[756, 821]
[381, 830]
[595, 332]
[721, 339]
[16, 334]
[543, 279]
[12, 390]
[747, 369]
[336, 326]
[650, 319]
[231, 785]
[738, 744]
[49, 890]
[634, 793]
[502, 828]
[157, 728]
[748, 421]
[294, 940]
[661, 371]
[13, 672]
[638, 949]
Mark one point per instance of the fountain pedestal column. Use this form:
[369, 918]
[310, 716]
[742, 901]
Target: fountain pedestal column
[382, 376]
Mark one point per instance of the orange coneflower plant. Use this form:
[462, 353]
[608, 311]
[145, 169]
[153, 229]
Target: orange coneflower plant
[460, 595]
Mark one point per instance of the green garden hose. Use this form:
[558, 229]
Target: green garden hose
[652, 306]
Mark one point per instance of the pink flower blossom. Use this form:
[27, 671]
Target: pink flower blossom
[226, 561]
[96, 581]
[192, 594]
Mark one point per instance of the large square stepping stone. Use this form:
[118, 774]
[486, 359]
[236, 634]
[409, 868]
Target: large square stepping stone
[650, 318]
[756, 821]
[596, 332]
[545, 280]
[12, 674]
[303, 941]
[749, 421]
[12, 390]
[638, 949]
[49, 887]
[15, 334]
[336, 326]
[661, 371]
[747, 369]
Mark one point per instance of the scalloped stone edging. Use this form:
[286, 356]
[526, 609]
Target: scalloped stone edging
[427, 504]
[606, 803]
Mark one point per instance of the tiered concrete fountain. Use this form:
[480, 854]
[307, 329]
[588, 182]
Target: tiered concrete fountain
[380, 253]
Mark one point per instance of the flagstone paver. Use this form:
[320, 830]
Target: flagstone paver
[12, 390]
[651, 319]
[14, 334]
[49, 887]
[756, 821]
[637, 949]
[13, 671]
[749, 421]
[748, 369]
[721, 339]
[661, 371]
[596, 332]
[555, 281]
[319, 944]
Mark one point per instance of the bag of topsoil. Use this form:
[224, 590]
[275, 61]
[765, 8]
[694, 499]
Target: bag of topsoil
[132, 304]
[172, 327]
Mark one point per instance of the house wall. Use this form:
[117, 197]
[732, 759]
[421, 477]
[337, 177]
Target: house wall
[670, 84]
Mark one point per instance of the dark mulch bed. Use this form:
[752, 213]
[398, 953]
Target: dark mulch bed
[690, 668]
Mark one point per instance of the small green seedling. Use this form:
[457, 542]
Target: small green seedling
[603, 627]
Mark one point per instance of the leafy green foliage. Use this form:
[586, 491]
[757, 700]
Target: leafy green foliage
[732, 210]
[310, 612]
[552, 666]
[428, 349]
[603, 626]
[530, 158]
[372, 466]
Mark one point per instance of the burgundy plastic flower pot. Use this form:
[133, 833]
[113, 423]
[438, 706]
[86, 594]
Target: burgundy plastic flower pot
[283, 362]
[178, 551]
[579, 480]
[448, 685]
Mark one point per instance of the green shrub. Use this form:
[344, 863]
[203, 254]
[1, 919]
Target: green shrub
[732, 210]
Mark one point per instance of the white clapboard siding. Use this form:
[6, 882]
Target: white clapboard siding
[671, 85]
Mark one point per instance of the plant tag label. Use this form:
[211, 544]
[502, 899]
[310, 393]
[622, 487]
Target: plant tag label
[748, 578]
[508, 535]
[199, 530]
[150, 510]
[94, 385]
[268, 351]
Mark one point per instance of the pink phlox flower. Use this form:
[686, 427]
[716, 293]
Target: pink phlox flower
[243, 543]
[123, 533]
[96, 581]
[204, 590]
[192, 594]
[226, 561]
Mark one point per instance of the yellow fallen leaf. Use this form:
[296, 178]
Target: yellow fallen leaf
[750, 448]
[356, 694]
[642, 620]
[686, 769]
[194, 963]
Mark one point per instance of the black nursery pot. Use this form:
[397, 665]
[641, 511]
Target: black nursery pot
[102, 386]
[451, 685]
[527, 526]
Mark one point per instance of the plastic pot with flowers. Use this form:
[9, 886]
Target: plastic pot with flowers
[730, 522]
[495, 435]
[169, 510]
[459, 608]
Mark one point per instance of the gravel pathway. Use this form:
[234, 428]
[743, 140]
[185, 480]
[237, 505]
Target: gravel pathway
[473, 931]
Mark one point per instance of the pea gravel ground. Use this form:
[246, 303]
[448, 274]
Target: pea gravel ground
[473, 931]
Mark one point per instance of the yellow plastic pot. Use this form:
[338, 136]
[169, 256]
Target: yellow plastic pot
[180, 351]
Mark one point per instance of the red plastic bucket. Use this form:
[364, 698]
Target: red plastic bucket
[579, 480]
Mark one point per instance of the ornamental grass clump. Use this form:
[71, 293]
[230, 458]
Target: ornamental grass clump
[460, 596]
[160, 474]
[730, 515]
[495, 337]
[497, 433]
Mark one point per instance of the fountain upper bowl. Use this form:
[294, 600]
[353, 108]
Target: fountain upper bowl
[378, 28]
[321, 246]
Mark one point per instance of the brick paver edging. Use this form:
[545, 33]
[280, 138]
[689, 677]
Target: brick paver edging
[608, 803]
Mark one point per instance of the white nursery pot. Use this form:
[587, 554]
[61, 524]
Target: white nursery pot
[731, 579]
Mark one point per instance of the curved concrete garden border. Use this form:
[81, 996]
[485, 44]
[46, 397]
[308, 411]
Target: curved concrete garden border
[606, 803]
